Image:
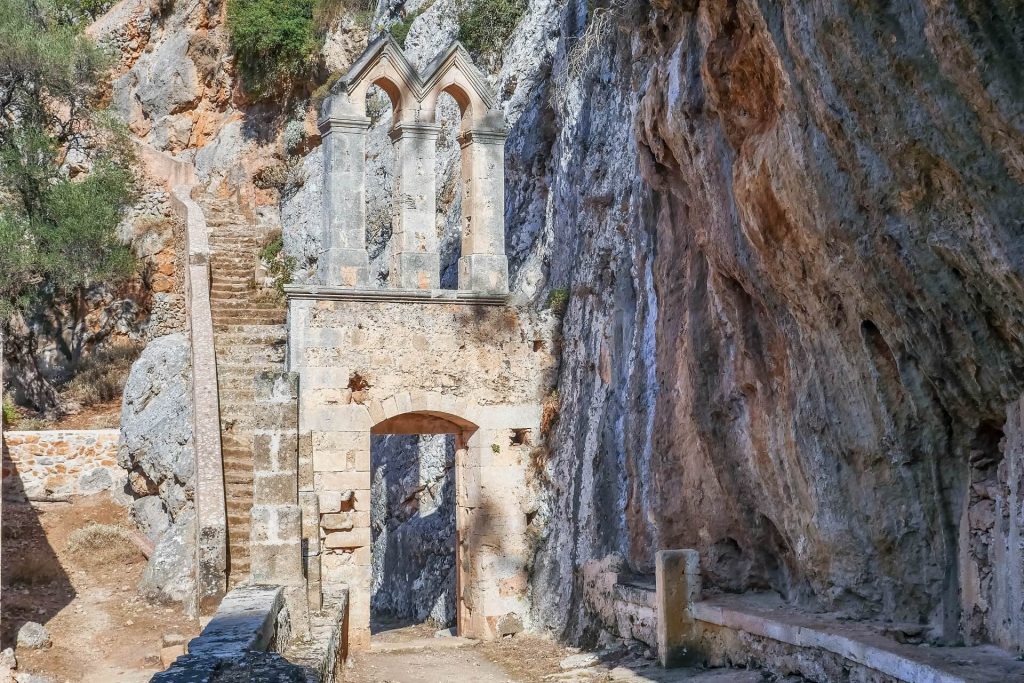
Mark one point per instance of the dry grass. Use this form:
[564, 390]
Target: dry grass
[603, 21]
[549, 412]
[100, 544]
[100, 377]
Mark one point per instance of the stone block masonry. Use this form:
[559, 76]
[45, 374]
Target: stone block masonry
[276, 542]
[419, 367]
[63, 463]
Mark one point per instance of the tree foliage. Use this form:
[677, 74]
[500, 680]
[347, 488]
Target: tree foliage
[65, 172]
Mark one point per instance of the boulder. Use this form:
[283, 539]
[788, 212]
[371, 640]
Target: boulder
[33, 636]
[156, 447]
[170, 575]
[156, 414]
[150, 516]
[95, 481]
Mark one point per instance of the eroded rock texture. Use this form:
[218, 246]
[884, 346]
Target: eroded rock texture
[412, 518]
[156, 449]
[793, 339]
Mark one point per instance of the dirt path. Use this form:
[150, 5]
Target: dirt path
[415, 655]
[101, 629]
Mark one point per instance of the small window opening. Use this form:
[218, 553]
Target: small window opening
[521, 437]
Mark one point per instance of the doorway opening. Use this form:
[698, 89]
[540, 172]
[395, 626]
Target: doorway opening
[413, 534]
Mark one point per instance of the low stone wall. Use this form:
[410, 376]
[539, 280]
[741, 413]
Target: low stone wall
[760, 630]
[62, 463]
[244, 640]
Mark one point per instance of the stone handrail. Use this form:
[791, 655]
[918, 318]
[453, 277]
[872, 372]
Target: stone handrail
[211, 513]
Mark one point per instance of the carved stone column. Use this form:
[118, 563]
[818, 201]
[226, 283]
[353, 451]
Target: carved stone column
[344, 261]
[483, 266]
[416, 263]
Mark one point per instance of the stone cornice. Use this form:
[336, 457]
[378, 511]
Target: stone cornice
[483, 135]
[410, 129]
[416, 296]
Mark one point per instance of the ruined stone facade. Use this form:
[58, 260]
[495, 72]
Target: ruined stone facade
[409, 360]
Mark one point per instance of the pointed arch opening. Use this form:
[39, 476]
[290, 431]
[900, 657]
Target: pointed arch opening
[381, 103]
[449, 115]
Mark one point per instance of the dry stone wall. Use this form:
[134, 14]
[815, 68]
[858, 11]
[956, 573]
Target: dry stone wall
[63, 463]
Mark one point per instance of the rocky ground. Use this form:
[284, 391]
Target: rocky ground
[100, 628]
[416, 654]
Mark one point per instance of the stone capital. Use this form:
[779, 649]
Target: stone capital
[332, 124]
[483, 136]
[409, 130]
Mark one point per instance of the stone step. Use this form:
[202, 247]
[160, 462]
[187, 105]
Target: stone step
[260, 357]
[227, 324]
[248, 329]
[230, 288]
[243, 307]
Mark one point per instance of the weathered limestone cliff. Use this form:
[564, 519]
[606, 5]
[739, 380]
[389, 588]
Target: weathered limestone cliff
[790, 233]
[792, 236]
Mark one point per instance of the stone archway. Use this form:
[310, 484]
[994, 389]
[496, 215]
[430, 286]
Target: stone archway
[412, 357]
[483, 266]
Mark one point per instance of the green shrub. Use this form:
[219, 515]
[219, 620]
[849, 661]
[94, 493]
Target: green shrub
[485, 26]
[275, 43]
[400, 31]
[86, 11]
[558, 300]
[279, 265]
[9, 412]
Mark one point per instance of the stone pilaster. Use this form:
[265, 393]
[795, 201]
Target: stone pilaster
[483, 266]
[416, 264]
[678, 587]
[344, 261]
[276, 544]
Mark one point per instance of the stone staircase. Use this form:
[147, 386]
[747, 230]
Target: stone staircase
[249, 337]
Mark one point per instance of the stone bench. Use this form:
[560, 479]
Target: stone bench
[759, 629]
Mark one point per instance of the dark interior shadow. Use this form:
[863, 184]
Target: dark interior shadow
[419, 546]
[35, 586]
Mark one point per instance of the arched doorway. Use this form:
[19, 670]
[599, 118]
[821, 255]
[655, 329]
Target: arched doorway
[395, 600]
